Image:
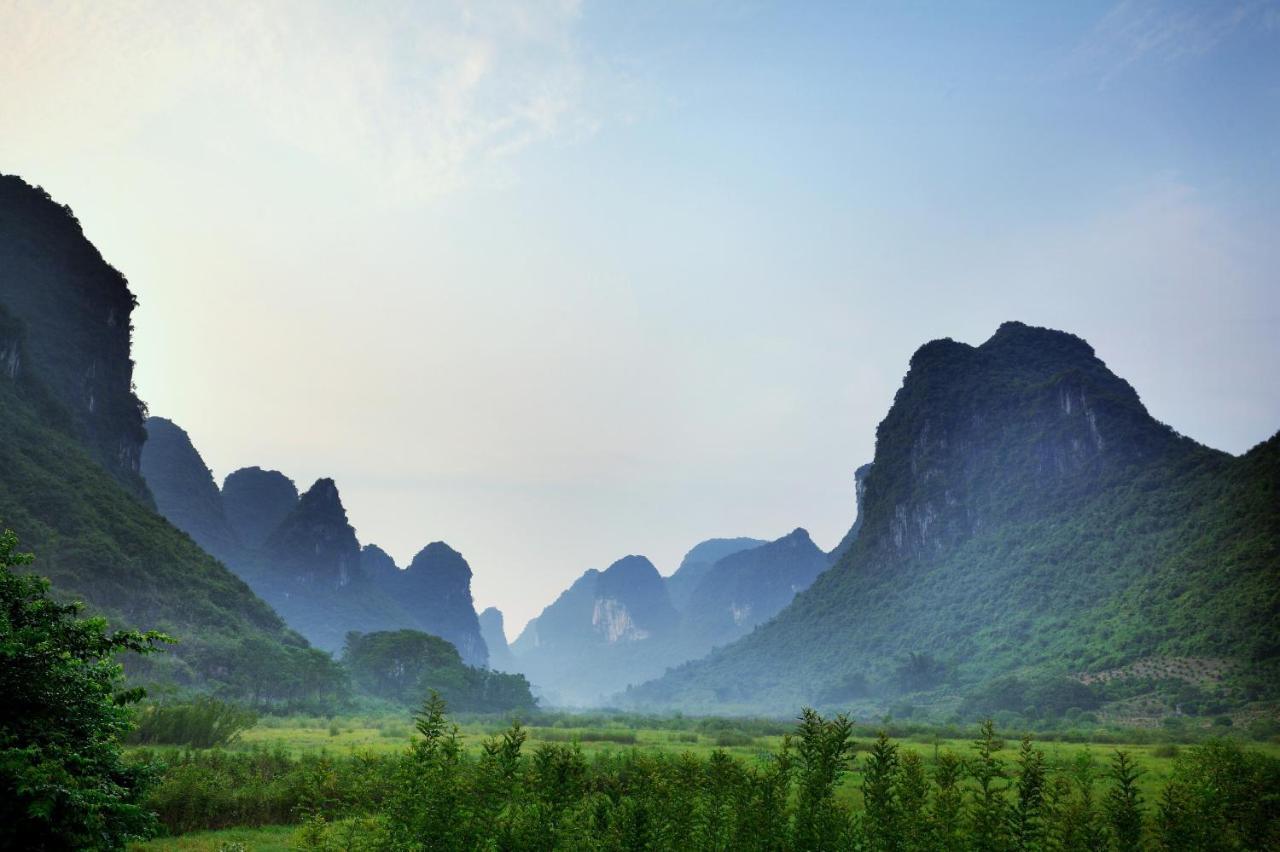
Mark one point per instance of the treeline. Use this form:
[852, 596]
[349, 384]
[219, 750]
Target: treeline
[436, 795]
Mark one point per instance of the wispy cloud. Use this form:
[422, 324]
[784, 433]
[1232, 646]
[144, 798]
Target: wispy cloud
[1134, 32]
[417, 96]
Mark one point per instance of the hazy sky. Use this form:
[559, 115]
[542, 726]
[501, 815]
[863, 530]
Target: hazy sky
[560, 282]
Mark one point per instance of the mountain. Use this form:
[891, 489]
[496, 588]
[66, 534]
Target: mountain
[301, 554]
[69, 470]
[698, 561]
[621, 626]
[748, 587]
[256, 502]
[76, 309]
[180, 482]
[436, 590]
[1024, 516]
[605, 631]
[495, 639]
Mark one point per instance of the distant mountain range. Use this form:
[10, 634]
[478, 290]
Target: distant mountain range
[1024, 517]
[626, 624]
[302, 556]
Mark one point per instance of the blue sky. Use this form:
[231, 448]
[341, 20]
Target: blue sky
[557, 282]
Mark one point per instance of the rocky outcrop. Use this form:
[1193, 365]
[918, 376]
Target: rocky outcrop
[494, 633]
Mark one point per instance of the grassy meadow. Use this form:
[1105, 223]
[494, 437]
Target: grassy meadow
[373, 739]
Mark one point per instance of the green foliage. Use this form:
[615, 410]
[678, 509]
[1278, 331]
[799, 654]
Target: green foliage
[63, 783]
[450, 790]
[404, 665]
[202, 723]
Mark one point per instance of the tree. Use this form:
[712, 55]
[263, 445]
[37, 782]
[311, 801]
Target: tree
[879, 796]
[1026, 815]
[1123, 804]
[825, 749]
[989, 805]
[63, 782]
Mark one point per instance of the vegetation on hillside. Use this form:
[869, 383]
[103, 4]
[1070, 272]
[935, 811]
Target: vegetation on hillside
[404, 665]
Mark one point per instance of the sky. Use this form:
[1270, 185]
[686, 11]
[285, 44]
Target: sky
[563, 281]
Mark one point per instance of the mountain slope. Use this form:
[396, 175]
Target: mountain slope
[698, 561]
[607, 630]
[748, 587]
[1024, 513]
[68, 479]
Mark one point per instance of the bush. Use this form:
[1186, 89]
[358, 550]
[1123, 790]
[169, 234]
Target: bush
[203, 723]
[63, 781]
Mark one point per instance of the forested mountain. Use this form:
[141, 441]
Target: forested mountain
[1024, 516]
[301, 554]
[69, 482]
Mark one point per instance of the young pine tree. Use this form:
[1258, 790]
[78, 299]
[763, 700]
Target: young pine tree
[1026, 816]
[824, 751]
[1123, 804]
[913, 803]
[947, 817]
[988, 824]
[881, 816]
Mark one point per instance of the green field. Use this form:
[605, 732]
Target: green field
[346, 740]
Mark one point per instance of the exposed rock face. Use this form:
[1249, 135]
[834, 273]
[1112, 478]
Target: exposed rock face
[256, 502]
[618, 627]
[1021, 503]
[495, 639]
[605, 631]
[75, 309]
[184, 489]
[698, 561]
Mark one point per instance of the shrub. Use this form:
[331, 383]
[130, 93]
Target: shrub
[203, 723]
